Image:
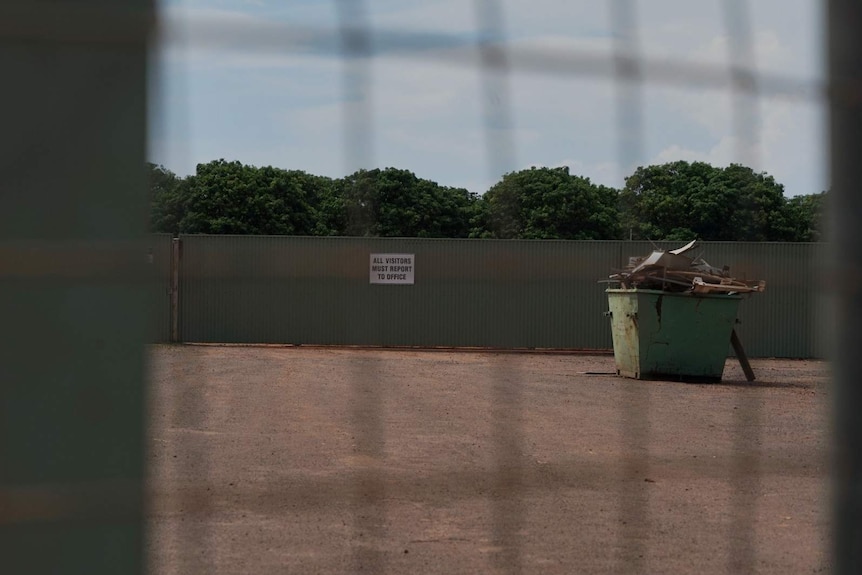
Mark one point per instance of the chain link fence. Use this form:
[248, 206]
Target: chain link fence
[72, 436]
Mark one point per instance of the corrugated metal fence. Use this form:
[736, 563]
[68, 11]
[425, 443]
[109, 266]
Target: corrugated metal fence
[467, 293]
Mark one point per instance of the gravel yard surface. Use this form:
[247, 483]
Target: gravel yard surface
[331, 460]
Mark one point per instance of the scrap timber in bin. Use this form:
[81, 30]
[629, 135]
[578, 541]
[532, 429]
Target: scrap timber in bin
[673, 316]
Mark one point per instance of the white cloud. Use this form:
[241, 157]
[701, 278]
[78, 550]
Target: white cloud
[790, 148]
[452, 16]
[284, 107]
[720, 154]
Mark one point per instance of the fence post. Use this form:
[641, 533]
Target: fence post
[176, 252]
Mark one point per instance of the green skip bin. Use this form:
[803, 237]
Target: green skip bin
[667, 335]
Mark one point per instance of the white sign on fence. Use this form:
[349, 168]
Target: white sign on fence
[391, 269]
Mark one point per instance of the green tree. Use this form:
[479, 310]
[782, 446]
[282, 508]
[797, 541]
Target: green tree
[681, 200]
[232, 198]
[550, 203]
[395, 203]
[807, 214]
[166, 191]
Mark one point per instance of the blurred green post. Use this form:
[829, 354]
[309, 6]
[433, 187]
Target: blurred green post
[73, 285]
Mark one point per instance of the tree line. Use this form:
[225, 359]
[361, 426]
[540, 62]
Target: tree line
[674, 201]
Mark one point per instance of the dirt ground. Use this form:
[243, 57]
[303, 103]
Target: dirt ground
[302, 460]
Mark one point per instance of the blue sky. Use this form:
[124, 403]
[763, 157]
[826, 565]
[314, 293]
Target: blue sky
[262, 82]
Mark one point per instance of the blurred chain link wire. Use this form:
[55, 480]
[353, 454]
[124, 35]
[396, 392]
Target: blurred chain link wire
[495, 60]
[844, 42]
[72, 281]
[354, 38]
